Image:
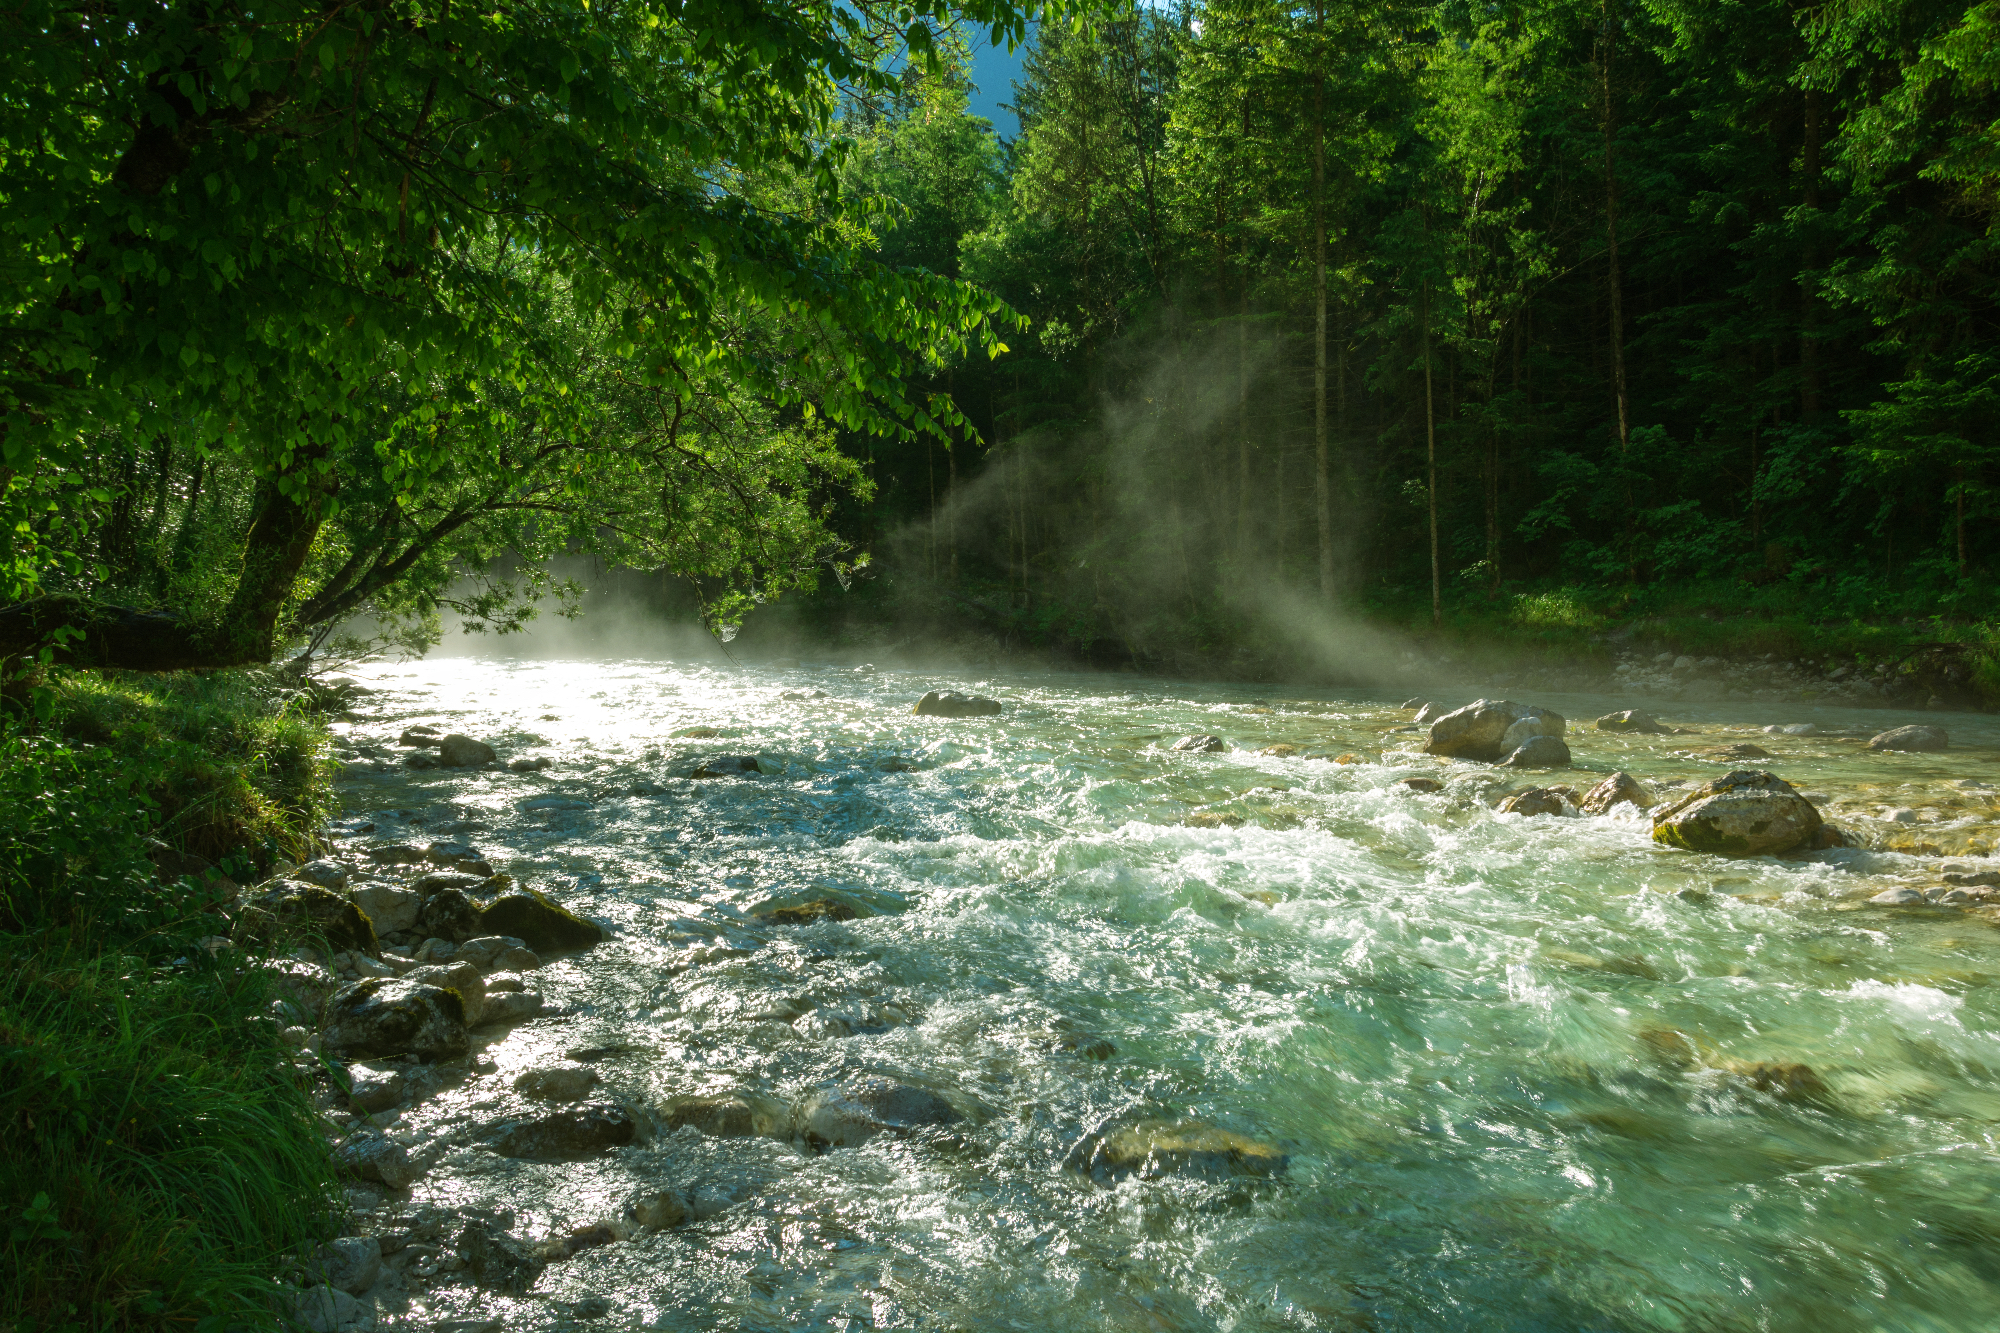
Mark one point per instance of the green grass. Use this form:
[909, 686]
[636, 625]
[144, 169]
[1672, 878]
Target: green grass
[158, 1156]
[232, 763]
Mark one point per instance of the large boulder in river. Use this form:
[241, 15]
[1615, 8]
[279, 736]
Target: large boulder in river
[1746, 813]
[1491, 729]
[950, 703]
[290, 909]
[542, 926]
[1200, 744]
[384, 1017]
[1911, 738]
[1153, 1148]
[456, 751]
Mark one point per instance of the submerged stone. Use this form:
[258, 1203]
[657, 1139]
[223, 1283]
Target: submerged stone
[1632, 721]
[567, 1136]
[847, 1117]
[727, 766]
[810, 912]
[1154, 1148]
[1533, 801]
[1919, 739]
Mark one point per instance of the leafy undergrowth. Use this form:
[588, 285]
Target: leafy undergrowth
[157, 1157]
[1722, 619]
[232, 763]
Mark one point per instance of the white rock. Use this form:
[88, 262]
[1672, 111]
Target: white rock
[323, 872]
[391, 907]
[511, 1007]
[1898, 898]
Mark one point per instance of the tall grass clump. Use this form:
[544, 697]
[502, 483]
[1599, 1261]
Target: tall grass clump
[159, 1156]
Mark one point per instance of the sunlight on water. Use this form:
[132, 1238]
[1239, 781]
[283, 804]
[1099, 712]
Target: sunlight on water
[1526, 1073]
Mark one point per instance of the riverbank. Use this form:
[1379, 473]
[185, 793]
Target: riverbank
[159, 1151]
[1720, 640]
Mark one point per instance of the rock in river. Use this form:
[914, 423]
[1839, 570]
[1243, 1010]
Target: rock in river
[1538, 752]
[727, 766]
[556, 1083]
[1200, 744]
[329, 1310]
[810, 912]
[373, 1087]
[378, 1017]
[1633, 721]
[1490, 729]
[449, 915]
[1616, 790]
[1904, 897]
[1533, 801]
[1746, 813]
[457, 751]
[1154, 1148]
[539, 924]
[390, 908]
[567, 1136]
[1911, 738]
[372, 1157]
[950, 703]
[846, 1117]
[726, 1117]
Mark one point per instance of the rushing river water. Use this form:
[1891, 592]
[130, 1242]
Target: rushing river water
[1512, 1062]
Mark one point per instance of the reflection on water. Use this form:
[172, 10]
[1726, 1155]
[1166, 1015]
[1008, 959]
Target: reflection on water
[1527, 1074]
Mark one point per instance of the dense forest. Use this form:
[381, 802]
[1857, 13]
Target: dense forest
[1401, 307]
[1422, 306]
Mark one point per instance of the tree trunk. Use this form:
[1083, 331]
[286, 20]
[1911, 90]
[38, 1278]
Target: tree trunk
[1431, 455]
[1614, 280]
[1322, 455]
[274, 551]
[1809, 375]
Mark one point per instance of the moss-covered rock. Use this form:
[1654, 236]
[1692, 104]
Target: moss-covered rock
[526, 915]
[381, 1016]
[289, 910]
[1746, 813]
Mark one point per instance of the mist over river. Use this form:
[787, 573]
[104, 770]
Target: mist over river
[1472, 1071]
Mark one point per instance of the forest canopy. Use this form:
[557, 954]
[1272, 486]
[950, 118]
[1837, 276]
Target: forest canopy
[305, 301]
[370, 309]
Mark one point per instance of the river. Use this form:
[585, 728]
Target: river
[1512, 1064]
